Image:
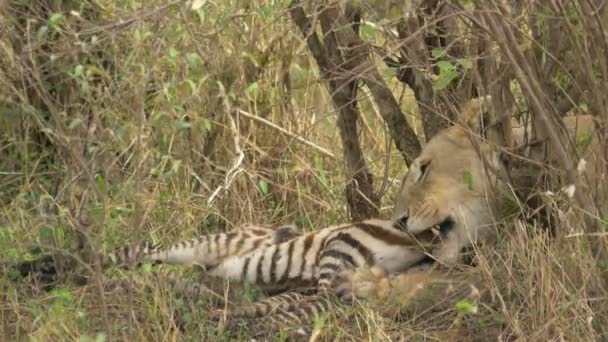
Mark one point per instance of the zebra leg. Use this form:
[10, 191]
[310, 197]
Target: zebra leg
[205, 250]
[263, 307]
[290, 313]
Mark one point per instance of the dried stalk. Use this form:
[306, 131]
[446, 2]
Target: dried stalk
[288, 133]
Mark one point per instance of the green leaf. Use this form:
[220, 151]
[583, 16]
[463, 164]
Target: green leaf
[467, 178]
[54, 21]
[207, 124]
[368, 31]
[445, 66]
[62, 296]
[146, 267]
[175, 165]
[74, 123]
[584, 139]
[466, 307]
[437, 52]
[466, 63]
[447, 73]
[444, 80]
[59, 234]
[181, 124]
[197, 4]
[78, 70]
[392, 71]
[84, 87]
[251, 88]
[173, 53]
[101, 183]
[264, 187]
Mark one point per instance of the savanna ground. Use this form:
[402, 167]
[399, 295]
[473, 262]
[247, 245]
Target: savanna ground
[130, 121]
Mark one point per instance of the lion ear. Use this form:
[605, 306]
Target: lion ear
[473, 111]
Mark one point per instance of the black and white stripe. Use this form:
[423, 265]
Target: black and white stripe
[207, 250]
[321, 256]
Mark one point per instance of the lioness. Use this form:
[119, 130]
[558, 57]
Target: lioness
[456, 182]
[453, 185]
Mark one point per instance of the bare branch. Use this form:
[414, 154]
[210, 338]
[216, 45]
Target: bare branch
[342, 80]
[286, 132]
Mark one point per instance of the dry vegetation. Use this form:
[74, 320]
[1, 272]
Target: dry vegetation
[122, 121]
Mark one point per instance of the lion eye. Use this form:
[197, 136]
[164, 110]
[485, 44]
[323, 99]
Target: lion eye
[424, 168]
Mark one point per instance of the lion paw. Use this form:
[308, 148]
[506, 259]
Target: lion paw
[370, 283]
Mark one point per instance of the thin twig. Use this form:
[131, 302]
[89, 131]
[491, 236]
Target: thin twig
[122, 23]
[573, 235]
[236, 166]
[286, 132]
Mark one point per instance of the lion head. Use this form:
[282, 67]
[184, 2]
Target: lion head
[450, 186]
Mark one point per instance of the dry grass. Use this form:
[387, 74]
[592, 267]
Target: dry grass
[117, 131]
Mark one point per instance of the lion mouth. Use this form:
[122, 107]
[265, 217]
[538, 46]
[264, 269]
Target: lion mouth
[437, 232]
[445, 226]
